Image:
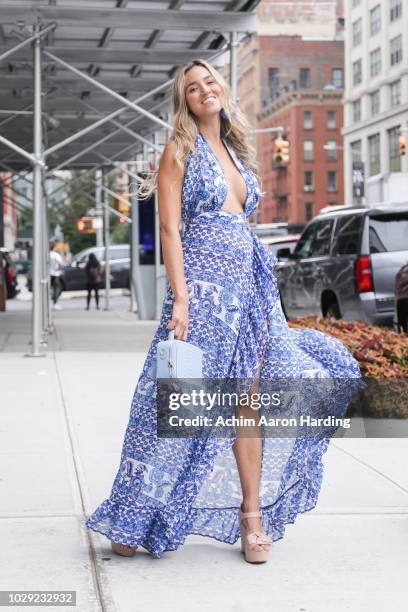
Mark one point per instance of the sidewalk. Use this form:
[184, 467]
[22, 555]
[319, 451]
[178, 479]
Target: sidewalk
[60, 443]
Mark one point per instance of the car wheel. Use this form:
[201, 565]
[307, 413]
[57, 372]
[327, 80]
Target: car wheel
[333, 311]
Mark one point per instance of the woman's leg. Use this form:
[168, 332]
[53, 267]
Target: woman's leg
[97, 297]
[88, 297]
[248, 455]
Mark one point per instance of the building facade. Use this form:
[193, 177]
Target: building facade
[313, 178]
[301, 83]
[291, 75]
[376, 89]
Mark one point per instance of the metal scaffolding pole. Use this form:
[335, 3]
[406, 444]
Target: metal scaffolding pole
[34, 38]
[37, 203]
[45, 282]
[136, 287]
[106, 218]
[47, 260]
[107, 90]
[98, 206]
[99, 113]
[234, 44]
[95, 144]
[16, 148]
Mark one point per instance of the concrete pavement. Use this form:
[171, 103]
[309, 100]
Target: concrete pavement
[63, 418]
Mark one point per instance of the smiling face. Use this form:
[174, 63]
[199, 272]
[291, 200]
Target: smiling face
[203, 93]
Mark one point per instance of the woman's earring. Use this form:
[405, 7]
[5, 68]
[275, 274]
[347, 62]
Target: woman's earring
[223, 114]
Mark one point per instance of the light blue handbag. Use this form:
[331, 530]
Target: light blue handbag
[178, 359]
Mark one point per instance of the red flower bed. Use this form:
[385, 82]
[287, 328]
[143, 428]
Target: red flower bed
[383, 357]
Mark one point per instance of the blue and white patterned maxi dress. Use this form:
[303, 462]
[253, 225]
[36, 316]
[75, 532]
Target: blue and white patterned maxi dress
[166, 489]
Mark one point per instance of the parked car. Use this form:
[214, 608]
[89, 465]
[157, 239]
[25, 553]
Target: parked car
[73, 277]
[345, 263]
[401, 299]
[281, 246]
[9, 274]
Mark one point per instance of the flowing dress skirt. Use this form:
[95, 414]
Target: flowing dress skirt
[166, 489]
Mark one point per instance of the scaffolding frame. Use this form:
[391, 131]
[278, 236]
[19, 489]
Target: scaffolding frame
[238, 17]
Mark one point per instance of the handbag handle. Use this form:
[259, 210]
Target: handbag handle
[171, 335]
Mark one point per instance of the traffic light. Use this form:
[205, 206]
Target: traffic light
[402, 141]
[281, 151]
[85, 225]
[122, 204]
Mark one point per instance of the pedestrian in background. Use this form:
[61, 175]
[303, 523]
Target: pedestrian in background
[93, 270]
[56, 265]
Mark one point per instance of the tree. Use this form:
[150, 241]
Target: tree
[75, 204]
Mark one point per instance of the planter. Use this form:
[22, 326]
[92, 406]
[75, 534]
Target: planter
[383, 357]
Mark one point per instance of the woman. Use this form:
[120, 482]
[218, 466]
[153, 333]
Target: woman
[222, 297]
[93, 271]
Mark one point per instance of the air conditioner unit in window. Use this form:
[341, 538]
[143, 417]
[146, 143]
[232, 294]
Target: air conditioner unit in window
[308, 188]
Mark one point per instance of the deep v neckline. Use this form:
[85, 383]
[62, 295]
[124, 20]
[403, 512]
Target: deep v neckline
[237, 164]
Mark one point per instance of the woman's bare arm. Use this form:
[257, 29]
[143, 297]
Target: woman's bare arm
[169, 186]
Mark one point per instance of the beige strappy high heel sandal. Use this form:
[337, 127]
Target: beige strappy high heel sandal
[123, 550]
[255, 545]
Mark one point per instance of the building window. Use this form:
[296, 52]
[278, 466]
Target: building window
[393, 149]
[331, 148]
[308, 150]
[374, 154]
[375, 62]
[357, 111]
[308, 211]
[337, 77]
[395, 9]
[357, 32]
[304, 78]
[396, 50]
[356, 150]
[332, 180]
[375, 102]
[331, 120]
[395, 93]
[308, 180]
[356, 3]
[273, 79]
[357, 72]
[307, 120]
[375, 20]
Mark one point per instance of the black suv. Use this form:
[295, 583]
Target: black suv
[345, 264]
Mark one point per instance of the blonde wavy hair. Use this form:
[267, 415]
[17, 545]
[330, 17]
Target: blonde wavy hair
[234, 126]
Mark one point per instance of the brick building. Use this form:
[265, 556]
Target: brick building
[291, 75]
[304, 81]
